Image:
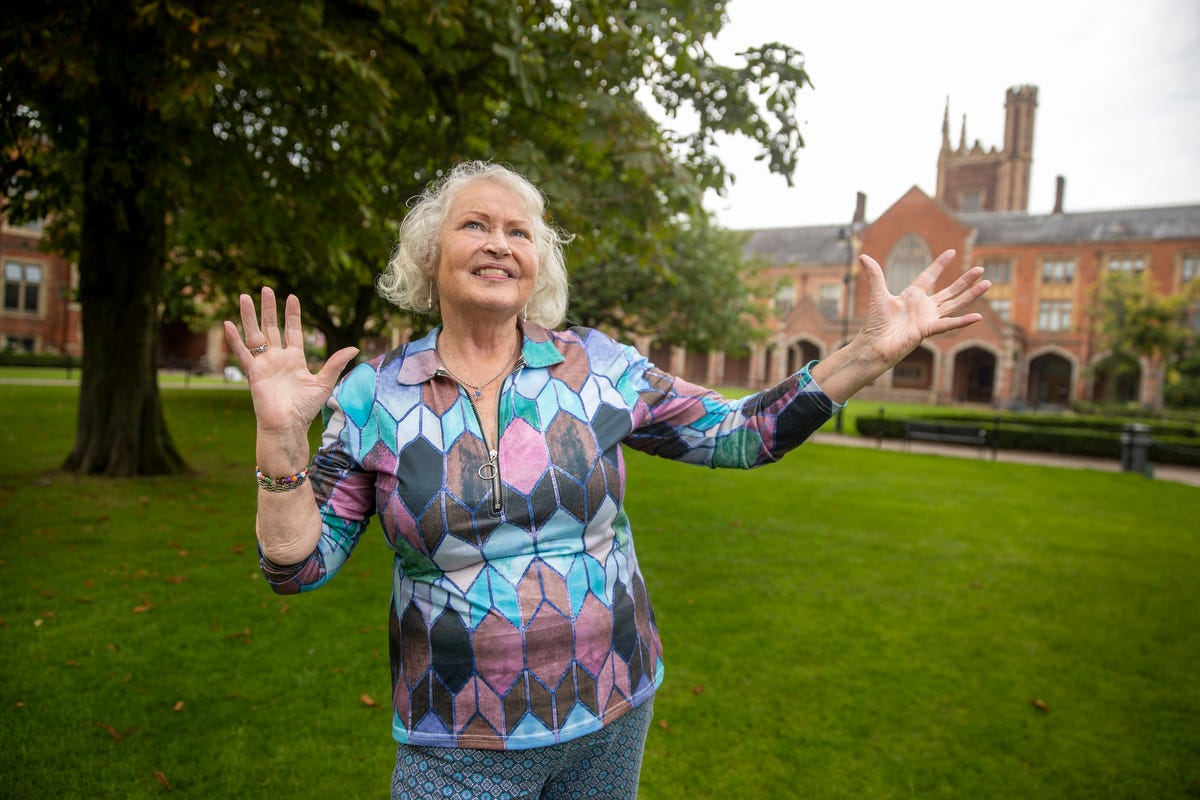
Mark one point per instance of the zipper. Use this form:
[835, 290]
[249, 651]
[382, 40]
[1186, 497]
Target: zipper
[489, 471]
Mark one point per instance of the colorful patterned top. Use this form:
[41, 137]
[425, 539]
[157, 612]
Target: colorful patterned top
[519, 617]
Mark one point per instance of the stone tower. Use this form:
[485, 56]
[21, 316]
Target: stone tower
[971, 178]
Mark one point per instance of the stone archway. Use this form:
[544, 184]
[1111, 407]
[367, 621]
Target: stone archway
[974, 376]
[915, 371]
[800, 353]
[1050, 379]
[1117, 379]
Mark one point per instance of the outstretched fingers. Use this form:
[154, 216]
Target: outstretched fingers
[962, 293]
[928, 277]
[293, 332]
[270, 318]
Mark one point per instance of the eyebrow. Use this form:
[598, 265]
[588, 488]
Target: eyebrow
[473, 211]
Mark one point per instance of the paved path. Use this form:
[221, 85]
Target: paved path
[1166, 472]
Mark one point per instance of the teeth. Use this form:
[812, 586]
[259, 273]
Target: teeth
[492, 271]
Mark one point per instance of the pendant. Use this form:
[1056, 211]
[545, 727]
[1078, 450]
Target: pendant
[478, 393]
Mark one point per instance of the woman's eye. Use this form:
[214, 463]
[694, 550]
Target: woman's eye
[518, 232]
[473, 225]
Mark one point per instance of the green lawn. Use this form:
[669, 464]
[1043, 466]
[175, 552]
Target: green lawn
[846, 624]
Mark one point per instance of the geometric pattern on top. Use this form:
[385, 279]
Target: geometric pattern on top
[519, 617]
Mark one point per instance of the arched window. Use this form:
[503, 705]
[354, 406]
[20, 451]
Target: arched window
[906, 261]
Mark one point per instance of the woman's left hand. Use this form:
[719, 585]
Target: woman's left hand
[896, 324]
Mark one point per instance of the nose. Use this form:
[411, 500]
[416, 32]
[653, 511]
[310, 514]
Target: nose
[497, 242]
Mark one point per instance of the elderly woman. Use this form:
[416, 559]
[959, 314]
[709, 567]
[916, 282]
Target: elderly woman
[524, 651]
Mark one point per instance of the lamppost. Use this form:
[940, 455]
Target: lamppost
[847, 235]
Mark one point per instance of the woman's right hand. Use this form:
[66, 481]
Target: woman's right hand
[287, 397]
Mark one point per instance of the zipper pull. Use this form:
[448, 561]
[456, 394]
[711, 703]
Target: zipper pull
[491, 472]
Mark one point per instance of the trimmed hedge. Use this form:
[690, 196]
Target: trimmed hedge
[16, 358]
[1172, 442]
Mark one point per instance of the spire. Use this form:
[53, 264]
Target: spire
[962, 137]
[946, 125]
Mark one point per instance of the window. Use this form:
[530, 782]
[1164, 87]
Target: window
[1127, 263]
[829, 298]
[1054, 315]
[998, 270]
[785, 299]
[1189, 268]
[22, 287]
[22, 344]
[971, 201]
[1002, 306]
[1058, 270]
[906, 261]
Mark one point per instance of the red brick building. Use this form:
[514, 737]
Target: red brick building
[1035, 344]
[38, 314]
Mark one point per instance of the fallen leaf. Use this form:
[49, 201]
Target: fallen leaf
[662, 723]
[367, 701]
[20, 704]
[177, 579]
[143, 609]
[70, 663]
[1040, 705]
[83, 600]
[697, 689]
[37, 623]
[237, 549]
[161, 778]
[114, 733]
[178, 706]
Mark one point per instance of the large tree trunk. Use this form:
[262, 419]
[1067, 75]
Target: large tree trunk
[121, 431]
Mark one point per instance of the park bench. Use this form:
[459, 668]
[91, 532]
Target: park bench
[945, 433]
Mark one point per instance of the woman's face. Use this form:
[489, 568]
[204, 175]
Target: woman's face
[487, 263]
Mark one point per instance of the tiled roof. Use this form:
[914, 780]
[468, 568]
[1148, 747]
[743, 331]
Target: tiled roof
[1124, 224]
[815, 244]
[826, 244]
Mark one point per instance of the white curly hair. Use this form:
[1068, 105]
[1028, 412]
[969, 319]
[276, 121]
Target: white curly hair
[408, 280]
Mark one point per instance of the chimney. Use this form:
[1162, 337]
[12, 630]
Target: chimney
[1059, 190]
[860, 209]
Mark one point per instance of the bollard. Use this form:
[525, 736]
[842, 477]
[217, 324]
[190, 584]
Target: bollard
[1135, 449]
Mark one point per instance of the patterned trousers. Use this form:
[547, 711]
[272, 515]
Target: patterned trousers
[604, 764]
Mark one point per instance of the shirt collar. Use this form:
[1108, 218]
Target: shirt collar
[421, 361]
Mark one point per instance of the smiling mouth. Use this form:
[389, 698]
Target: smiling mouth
[492, 272]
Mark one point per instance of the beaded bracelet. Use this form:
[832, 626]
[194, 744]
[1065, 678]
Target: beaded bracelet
[280, 484]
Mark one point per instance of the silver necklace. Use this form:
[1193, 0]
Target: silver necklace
[478, 390]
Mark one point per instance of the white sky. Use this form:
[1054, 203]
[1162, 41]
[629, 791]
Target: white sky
[1118, 100]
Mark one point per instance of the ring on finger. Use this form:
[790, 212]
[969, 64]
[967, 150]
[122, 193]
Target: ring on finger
[262, 348]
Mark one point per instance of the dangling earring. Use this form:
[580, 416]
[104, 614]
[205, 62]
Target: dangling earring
[525, 314]
[429, 300]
